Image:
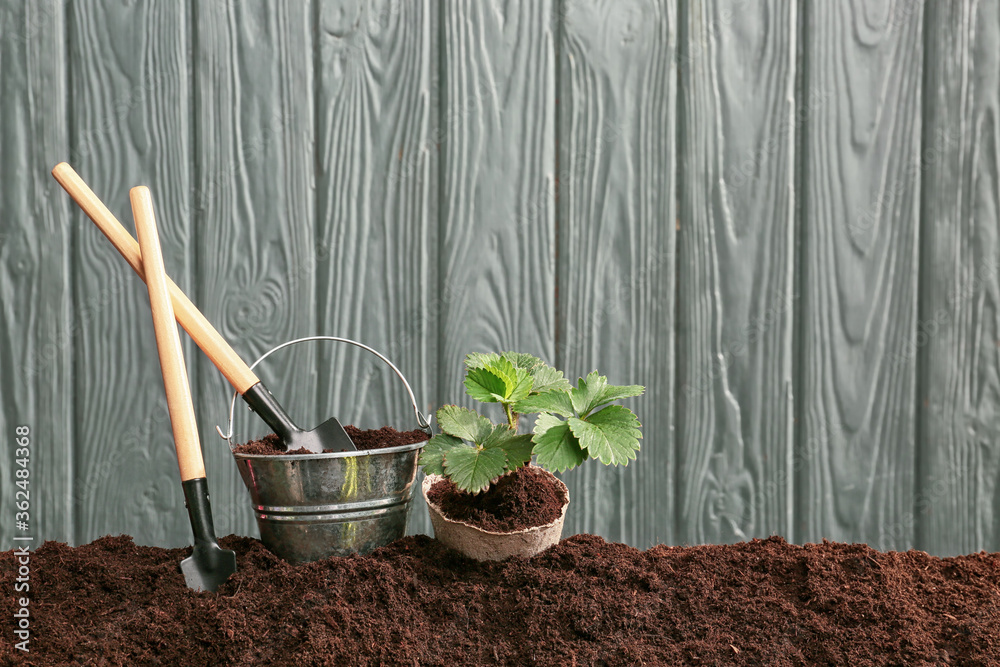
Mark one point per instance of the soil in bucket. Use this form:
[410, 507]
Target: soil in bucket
[522, 499]
[584, 601]
[376, 438]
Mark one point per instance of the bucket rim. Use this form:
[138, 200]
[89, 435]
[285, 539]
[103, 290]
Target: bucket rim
[399, 449]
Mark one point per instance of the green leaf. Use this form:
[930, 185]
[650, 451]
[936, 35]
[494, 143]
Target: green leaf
[518, 449]
[549, 379]
[611, 435]
[432, 455]
[558, 402]
[523, 360]
[522, 388]
[485, 385]
[617, 392]
[464, 423]
[499, 381]
[472, 469]
[556, 448]
[481, 359]
[545, 378]
[594, 391]
[499, 434]
[587, 393]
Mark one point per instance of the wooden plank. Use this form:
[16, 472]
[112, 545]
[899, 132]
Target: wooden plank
[498, 146]
[859, 225]
[36, 341]
[735, 428]
[496, 134]
[616, 247]
[254, 209]
[129, 121]
[957, 506]
[377, 211]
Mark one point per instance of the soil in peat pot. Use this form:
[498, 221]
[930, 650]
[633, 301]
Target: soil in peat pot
[376, 438]
[582, 602]
[522, 499]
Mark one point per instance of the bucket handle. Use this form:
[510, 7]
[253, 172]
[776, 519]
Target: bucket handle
[422, 421]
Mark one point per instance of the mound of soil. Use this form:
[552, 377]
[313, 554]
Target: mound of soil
[522, 499]
[583, 602]
[377, 438]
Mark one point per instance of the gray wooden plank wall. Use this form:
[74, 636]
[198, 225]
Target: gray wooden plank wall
[782, 217]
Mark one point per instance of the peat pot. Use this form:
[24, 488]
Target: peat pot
[487, 545]
[313, 506]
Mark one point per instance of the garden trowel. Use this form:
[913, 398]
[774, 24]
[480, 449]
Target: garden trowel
[209, 564]
[330, 435]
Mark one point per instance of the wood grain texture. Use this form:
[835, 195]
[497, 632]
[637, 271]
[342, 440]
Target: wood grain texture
[736, 259]
[957, 508]
[129, 122]
[254, 209]
[616, 227]
[497, 143]
[388, 170]
[859, 272]
[36, 338]
[168, 342]
[377, 250]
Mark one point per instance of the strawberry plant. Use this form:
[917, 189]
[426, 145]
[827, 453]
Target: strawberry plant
[573, 424]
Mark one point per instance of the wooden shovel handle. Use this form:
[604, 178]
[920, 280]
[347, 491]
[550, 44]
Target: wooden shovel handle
[197, 326]
[168, 342]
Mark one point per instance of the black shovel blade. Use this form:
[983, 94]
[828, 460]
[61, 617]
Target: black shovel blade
[330, 435]
[208, 567]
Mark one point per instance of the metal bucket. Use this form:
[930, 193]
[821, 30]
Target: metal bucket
[314, 506]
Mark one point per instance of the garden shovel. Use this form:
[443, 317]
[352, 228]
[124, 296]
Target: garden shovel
[209, 564]
[330, 435]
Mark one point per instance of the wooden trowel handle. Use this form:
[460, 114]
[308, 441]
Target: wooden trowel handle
[189, 317]
[168, 342]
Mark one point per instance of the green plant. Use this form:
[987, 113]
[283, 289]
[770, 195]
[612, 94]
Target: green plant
[573, 423]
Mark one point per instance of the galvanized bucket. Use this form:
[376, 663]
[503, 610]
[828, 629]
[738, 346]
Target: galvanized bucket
[314, 506]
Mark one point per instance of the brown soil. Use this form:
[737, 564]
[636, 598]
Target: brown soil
[583, 602]
[522, 499]
[376, 438]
